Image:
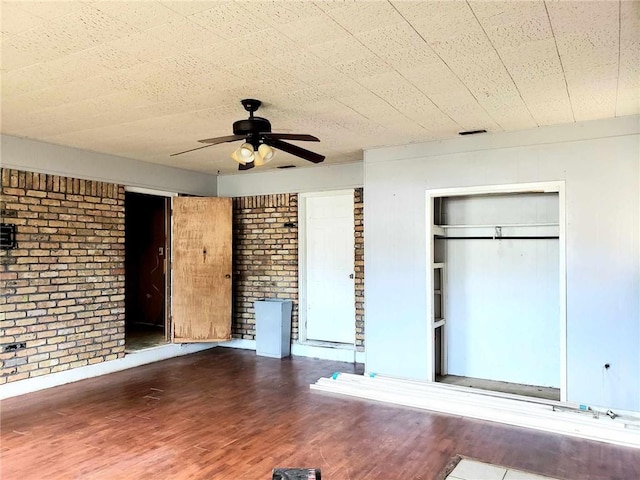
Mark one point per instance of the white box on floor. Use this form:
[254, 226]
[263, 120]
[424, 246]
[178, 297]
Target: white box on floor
[273, 327]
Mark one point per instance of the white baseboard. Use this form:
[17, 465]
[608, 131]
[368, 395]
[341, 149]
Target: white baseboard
[239, 343]
[130, 360]
[305, 350]
[327, 353]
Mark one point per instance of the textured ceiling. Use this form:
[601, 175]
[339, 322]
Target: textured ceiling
[144, 79]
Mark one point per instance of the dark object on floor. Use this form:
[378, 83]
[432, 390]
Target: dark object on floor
[296, 474]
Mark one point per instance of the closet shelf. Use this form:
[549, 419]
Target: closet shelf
[503, 225]
[437, 230]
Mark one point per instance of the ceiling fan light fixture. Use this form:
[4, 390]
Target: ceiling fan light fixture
[244, 154]
[264, 155]
[258, 162]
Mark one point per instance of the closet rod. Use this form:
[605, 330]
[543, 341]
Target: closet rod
[503, 225]
[545, 237]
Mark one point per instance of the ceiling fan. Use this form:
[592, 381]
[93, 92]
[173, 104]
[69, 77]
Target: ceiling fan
[259, 141]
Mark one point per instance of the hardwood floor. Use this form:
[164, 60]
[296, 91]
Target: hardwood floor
[227, 414]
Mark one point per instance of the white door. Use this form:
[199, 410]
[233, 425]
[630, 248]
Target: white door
[329, 261]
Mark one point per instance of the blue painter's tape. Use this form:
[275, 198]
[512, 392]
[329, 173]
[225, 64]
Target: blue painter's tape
[372, 375]
[584, 407]
[335, 375]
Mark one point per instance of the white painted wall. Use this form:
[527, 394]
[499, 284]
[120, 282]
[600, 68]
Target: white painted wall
[502, 296]
[34, 156]
[600, 164]
[317, 178]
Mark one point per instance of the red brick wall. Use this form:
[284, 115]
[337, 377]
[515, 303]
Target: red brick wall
[358, 215]
[265, 253]
[63, 286]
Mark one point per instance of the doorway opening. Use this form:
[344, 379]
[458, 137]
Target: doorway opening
[497, 291]
[146, 284]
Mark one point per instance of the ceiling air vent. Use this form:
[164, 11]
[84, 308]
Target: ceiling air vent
[472, 132]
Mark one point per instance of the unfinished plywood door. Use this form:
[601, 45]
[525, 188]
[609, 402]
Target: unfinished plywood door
[201, 300]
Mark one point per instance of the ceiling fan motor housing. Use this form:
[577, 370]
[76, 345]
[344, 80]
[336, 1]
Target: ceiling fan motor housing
[252, 125]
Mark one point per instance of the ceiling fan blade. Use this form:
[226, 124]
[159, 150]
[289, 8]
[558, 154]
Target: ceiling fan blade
[292, 136]
[246, 166]
[217, 140]
[294, 150]
[193, 149]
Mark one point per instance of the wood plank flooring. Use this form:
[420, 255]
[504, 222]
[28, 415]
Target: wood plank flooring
[227, 414]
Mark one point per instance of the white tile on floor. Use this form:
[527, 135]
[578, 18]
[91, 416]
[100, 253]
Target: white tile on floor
[518, 475]
[471, 470]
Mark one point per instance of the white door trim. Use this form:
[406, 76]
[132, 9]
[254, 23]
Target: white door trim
[546, 187]
[150, 191]
[302, 257]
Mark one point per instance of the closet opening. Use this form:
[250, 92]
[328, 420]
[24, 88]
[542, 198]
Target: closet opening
[497, 309]
[146, 284]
